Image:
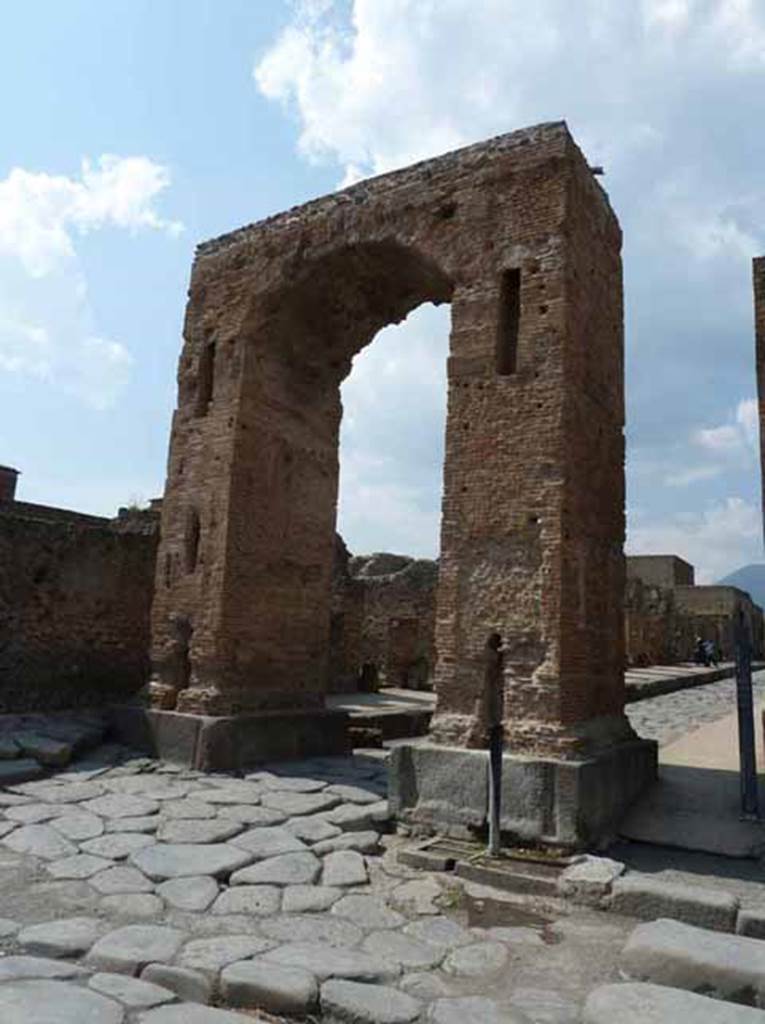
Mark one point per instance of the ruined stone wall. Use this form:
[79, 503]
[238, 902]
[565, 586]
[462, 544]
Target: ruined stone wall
[75, 596]
[657, 632]
[383, 621]
[666, 571]
[758, 277]
[712, 611]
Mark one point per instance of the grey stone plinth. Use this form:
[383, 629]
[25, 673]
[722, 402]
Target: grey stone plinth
[568, 803]
[228, 743]
[670, 953]
[642, 896]
[636, 1003]
[590, 880]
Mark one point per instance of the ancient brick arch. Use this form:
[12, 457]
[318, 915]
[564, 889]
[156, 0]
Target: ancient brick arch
[519, 237]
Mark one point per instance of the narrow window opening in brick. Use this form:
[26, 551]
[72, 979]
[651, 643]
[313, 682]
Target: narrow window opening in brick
[205, 379]
[192, 540]
[509, 321]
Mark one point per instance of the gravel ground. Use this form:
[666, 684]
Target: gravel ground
[667, 718]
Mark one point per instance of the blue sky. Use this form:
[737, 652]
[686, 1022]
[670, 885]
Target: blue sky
[134, 129]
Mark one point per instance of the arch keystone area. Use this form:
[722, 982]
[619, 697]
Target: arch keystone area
[519, 237]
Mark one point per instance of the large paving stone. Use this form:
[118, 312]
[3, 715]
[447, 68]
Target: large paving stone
[186, 983]
[191, 1013]
[129, 949]
[260, 900]
[194, 893]
[13, 967]
[354, 794]
[357, 1003]
[176, 860]
[312, 828]
[301, 899]
[476, 1008]
[635, 1003]
[192, 830]
[138, 995]
[318, 928]
[64, 938]
[6, 827]
[352, 817]
[287, 869]
[54, 1002]
[146, 823]
[362, 842]
[234, 792]
[56, 792]
[117, 845]
[81, 865]
[290, 784]
[154, 787]
[325, 962]
[210, 956]
[346, 867]
[670, 953]
[40, 841]
[78, 825]
[440, 931]
[426, 985]
[249, 814]
[637, 895]
[295, 804]
[140, 906]
[262, 843]
[120, 805]
[401, 949]
[418, 896]
[190, 808]
[368, 912]
[121, 881]
[33, 814]
[270, 987]
[476, 960]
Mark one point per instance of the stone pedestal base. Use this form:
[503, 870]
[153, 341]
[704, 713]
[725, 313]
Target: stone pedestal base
[232, 742]
[570, 804]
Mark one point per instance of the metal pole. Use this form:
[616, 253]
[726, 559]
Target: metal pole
[495, 787]
[745, 707]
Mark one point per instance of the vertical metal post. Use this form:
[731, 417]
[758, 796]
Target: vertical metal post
[495, 787]
[745, 707]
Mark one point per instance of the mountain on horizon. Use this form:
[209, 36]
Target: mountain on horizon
[750, 578]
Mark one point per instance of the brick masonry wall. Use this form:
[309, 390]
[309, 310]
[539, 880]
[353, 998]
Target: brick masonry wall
[75, 596]
[518, 235]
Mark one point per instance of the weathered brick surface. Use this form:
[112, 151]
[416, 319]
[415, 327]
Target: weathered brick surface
[75, 596]
[533, 504]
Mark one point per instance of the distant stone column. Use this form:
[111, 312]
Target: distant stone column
[8, 478]
[758, 275]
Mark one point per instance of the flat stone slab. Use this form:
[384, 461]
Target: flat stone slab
[134, 994]
[287, 869]
[345, 867]
[301, 899]
[56, 792]
[177, 860]
[294, 804]
[681, 956]
[15, 967]
[198, 831]
[191, 893]
[138, 906]
[476, 960]
[78, 825]
[186, 983]
[128, 950]
[121, 880]
[637, 895]
[362, 842]
[117, 845]
[146, 823]
[270, 987]
[190, 808]
[476, 1008]
[54, 1002]
[289, 784]
[589, 880]
[81, 865]
[120, 805]
[352, 817]
[357, 1003]
[636, 1003]
[368, 912]
[403, 950]
[248, 814]
[326, 962]
[440, 931]
[33, 814]
[40, 841]
[260, 900]
[312, 829]
[210, 956]
[233, 791]
[72, 936]
[321, 929]
[354, 794]
[191, 1013]
[262, 843]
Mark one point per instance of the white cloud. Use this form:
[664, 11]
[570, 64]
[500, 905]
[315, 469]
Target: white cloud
[693, 475]
[724, 536]
[737, 438]
[46, 324]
